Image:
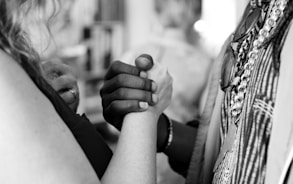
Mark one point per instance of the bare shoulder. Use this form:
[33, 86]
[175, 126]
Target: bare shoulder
[21, 100]
[35, 142]
[11, 72]
[16, 85]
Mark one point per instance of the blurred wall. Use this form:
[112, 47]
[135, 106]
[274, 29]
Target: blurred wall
[220, 19]
[240, 6]
[138, 17]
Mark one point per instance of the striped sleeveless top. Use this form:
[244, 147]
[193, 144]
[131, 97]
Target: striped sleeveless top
[245, 161]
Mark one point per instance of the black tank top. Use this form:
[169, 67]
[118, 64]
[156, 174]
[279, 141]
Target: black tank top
[93, 145]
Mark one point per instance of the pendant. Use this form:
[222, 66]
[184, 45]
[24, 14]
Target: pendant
[227, 145]
[249, 20]
[227, 66]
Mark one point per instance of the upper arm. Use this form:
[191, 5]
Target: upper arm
[35, 145]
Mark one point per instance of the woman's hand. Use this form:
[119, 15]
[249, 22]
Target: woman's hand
[61, 78]
[163, 94]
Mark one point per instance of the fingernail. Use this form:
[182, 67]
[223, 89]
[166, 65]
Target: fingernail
[154, 86]
[143, 105]
[143, 74]
[154, 98]
[144, 62]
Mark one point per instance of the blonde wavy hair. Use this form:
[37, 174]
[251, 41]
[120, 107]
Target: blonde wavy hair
[13, 38]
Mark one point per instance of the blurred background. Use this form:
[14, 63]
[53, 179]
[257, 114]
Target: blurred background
[184, 35]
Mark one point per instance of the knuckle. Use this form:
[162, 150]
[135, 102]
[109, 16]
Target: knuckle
[114, 106]
[62, 81]
[120, 78]
[134, 70]
[140, 83]
[143, 83]
[148, 97]
[116, 65]
[147, 84]
[120, 93]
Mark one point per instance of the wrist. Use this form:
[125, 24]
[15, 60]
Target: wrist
[140, 122]
[145, 115]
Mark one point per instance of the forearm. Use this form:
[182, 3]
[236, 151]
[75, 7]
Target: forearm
[134, 159]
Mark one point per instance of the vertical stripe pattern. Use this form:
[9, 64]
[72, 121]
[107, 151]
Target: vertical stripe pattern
[249, 152]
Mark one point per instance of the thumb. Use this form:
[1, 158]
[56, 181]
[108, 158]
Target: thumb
[144, 62]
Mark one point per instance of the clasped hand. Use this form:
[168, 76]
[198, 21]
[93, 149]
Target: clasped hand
[61, 78]
[127, 88]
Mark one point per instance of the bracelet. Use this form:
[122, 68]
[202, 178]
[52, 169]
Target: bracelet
[170, 134]
[169, 139]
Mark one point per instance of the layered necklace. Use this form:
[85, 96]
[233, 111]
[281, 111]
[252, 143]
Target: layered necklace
[246, 47]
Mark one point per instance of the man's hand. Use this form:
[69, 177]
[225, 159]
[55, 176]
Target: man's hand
[126, 89]
[61, 78]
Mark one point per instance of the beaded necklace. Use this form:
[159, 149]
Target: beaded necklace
[247, 52]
